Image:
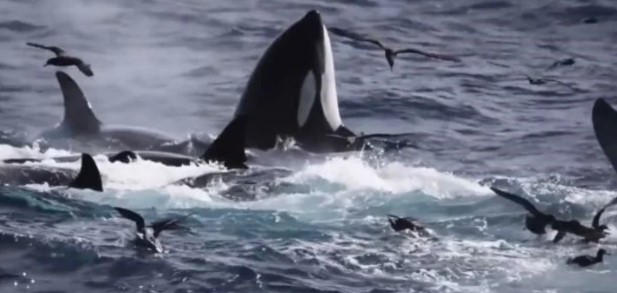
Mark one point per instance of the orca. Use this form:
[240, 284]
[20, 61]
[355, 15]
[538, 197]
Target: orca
[227, 149]
[604, 120]
[292, 92]
[88, 176]
[127, 156]
[83, 131]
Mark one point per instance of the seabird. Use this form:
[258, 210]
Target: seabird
[589, 234]
[540, 81]
[147, 236]
[537, 221]
[389, 52]
[561, 63]
[576, 228]
[595, 223]
[63, 59]
[587, 260]
[399, 224]
[543, 81]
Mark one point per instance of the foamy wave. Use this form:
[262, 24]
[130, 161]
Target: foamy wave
[355, 174]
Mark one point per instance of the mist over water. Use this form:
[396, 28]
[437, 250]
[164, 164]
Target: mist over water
[318, 222]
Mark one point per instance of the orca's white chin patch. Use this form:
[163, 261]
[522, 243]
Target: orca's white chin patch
[307, 98]
[329, 98]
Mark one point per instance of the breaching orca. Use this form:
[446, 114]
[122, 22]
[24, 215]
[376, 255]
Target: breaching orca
[88, 176]
[85, 132]
[292, 92]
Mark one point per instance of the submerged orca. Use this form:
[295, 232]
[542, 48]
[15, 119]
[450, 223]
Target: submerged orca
[88, 176]
[227, 149]
[292, 92]
[84, 130]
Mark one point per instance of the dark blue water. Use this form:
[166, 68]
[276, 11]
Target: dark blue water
[181, 66]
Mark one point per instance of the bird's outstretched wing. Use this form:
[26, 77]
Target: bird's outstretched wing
[168, 224]
[611, 203]
[384, 135]
[428, 54]
[519, 200]
[349, 139]
[85, 68]
[558, 82]
[133, 216]
[499, 64]
[56, 50]
[596, 219]
[355, 36]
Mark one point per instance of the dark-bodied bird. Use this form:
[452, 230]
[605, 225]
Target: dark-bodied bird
[587, 260]
[561, 63]
[543, 81]
[537, 221]
[390, 53]
[399, 224]
[595, 223]
[63, 59]
[147, 236]
[576, 228]
[533, 80]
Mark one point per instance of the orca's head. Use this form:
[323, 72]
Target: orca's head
[292, 90]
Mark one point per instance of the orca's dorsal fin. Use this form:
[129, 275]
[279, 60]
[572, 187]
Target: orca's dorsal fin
[604, 119]
[228, 147]
[78, 115]
[89, 176]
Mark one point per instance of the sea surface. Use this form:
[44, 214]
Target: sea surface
[180, 67]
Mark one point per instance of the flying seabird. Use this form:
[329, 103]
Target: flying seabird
[543, 81]
[561, 63]
[539, 80]
[389, 52]
[63, 59]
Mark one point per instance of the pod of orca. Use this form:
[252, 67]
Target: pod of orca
[291, 94]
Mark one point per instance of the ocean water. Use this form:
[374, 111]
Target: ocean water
[181, 66]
